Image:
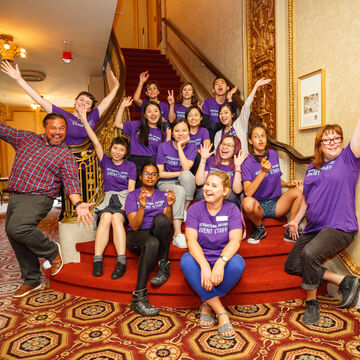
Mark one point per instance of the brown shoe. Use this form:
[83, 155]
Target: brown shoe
[57, 263]
[24, 290]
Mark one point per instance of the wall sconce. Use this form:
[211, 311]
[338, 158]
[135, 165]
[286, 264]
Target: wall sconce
[67, 55]
[34, 106]
[8, 50]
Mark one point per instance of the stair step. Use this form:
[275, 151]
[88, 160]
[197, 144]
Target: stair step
[165, 82]
[152, 68]
[139, 51]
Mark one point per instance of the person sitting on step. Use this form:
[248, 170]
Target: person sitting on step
[149, 211]
[329, 204]
[175, 158]
[261, 176]
[152, 91]
[228, 158]
[119, 179]
[212, 266]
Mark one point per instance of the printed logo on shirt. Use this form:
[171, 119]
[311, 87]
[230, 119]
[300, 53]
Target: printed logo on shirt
[213, 229]
[214, 112]
[316, 172]
[116, 173]
[275, 169]
[154, 138]
[152, 205]
[170, 160]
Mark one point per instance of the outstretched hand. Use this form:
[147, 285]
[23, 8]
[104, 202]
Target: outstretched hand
[114, 79]
[238, 160]
[144, 76]
[170, 98]
[231, 93]
[126, 102]
[293, 229]
[205, 151]
[14, 73]
[262, 82]
[84, 214]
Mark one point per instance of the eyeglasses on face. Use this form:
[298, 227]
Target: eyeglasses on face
[147, 174]
[335, 140]
[227, 145]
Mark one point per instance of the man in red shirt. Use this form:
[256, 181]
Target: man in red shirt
[41, 164]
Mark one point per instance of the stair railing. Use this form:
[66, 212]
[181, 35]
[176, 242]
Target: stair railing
[277, 145]
[91, 177]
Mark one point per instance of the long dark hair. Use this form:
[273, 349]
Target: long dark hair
[144, 127]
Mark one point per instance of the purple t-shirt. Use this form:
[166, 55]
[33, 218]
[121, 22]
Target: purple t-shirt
[180, 110]
[330, 194]
[163, 107]
[116, 177]
[213, 231]
[270, 187]
[75, 131]
[168, 155]
[210, 166]
[199, 138]
[230, 132]
[136, 147]
[154, 205]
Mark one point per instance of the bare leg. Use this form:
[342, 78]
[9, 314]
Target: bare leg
[102, 233]
[119, 238]
[177, 226]
[289, 200]
[218, 308]
[252, 210]
[333, 277]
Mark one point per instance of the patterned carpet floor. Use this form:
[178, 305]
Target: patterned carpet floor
[52, 325]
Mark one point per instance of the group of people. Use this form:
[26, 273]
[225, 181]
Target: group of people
[177, 152]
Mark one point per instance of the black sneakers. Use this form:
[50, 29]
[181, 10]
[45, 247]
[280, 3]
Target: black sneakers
[119, 270]
[312, 312]
[257, 235]
[97, 268]
[349, 288]
[163, 273]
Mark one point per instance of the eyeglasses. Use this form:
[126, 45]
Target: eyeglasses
[335, 140]
[227, 145]
[147, 174]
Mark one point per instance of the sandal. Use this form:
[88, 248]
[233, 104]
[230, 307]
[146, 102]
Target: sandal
[224, 328]
[206, 318]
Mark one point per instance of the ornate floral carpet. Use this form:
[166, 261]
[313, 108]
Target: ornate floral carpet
[52, 325]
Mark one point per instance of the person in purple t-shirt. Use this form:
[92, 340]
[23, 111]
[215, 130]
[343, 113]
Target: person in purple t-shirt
[145, 135]
[329, 203]
[261, 176]
[186, 98]
[228, 158]
[152, 91]
[149, 211]
[212, 266]
[75, 133]
[175, 158]
[211, 106]
[119, 179]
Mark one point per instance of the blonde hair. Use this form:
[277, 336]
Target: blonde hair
[225, 179]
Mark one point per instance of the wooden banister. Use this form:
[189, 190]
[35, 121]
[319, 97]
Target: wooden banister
[277, 145]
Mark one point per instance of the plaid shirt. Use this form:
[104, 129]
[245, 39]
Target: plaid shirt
[39, 168]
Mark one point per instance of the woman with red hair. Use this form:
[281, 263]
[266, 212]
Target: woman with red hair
[329, 203]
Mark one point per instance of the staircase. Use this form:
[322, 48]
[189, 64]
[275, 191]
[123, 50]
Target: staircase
[160, 70]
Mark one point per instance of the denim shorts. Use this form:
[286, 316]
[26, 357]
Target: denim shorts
[268, 207]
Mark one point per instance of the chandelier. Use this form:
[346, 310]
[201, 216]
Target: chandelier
[8, 50]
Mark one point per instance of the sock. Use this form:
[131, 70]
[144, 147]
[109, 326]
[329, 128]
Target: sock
[97, 258]
[121, 259]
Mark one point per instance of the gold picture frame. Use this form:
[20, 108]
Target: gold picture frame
[311, 100]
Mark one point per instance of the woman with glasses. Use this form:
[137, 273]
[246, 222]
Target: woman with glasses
[228, 158]
[261, 176]
[329, 204]
[149, 211]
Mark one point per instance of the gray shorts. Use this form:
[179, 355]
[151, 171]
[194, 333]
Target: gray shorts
[268, 207]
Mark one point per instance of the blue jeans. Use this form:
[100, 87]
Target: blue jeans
[232, 273]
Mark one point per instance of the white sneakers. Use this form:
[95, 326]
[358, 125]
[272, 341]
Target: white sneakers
[180, 241]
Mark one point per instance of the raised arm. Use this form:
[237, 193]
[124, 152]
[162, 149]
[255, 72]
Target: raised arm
[250, 187]
[98, 148]
[144, 76]
[259, 83]
[238, 160]
[119, 116]
[355, 140]
[104, 104]
[205, 153]
[15, 74]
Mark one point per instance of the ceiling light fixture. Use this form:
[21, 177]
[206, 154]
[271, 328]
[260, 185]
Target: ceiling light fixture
[8, 50]
[67, 56]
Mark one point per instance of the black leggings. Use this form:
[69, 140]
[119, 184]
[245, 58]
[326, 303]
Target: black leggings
[148, 243]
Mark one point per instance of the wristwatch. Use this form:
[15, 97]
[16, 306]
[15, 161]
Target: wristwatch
[224, 258]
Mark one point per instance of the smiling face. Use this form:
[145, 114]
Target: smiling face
[152, 115]
[83, 101]
[118, 152]
[55, 131]
[227, 148]
[187, 92]
[152, 91]
[258, 140]
[220, 87]
[214, 190]
[180, 131]
[332, 150]
[226, 116]
[149, 176]
[194, 117]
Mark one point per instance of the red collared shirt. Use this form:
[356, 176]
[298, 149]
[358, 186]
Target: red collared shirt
[39, 168]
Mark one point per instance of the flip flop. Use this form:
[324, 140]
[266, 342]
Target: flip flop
[206, 318]
[224, 328]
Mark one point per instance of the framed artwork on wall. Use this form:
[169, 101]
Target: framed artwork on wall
[311, 100]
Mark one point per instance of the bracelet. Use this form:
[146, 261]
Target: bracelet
[77, 204]
[238, 171]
